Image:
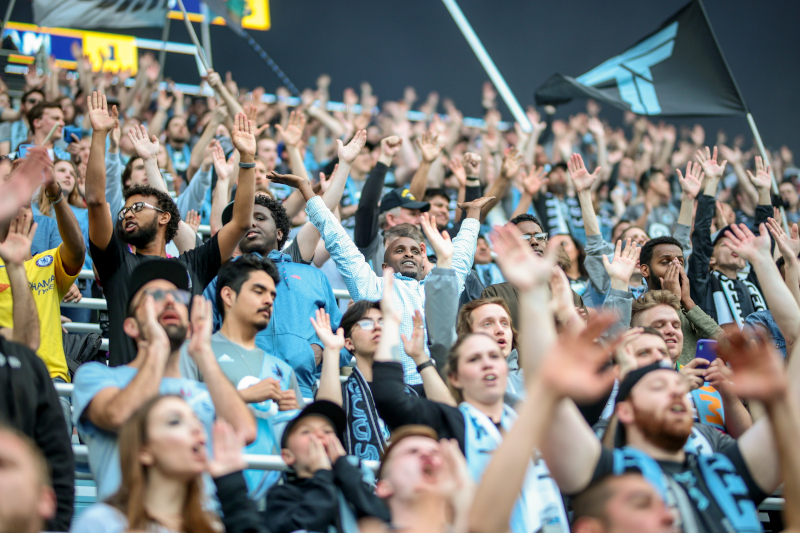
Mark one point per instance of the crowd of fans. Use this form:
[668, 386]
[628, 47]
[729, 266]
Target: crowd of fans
[528, 346]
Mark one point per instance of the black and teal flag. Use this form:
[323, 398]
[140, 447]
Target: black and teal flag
[678, 70]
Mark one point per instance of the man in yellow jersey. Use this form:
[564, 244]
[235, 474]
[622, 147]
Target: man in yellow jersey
[50, 273]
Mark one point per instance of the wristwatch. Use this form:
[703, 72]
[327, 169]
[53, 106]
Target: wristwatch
[426, 364]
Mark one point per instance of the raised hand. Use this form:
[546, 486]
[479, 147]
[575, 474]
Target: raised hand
[749, 246]
[430, 146]
[19, 186]
[763, 178]
[202, 321]
[224, 168]
[788, 246]
[415, 346]
[228, 446]
[596, 128]
[691, 183]
[511, 163]
[164, 101]
[580, 176]
[520, 265]
[146, 148]
[472, 164]
[758, 370]
[440, 242]
[348, 153]
[293, 133]
[17, 246]
[193, 220]
[624, 262]
[458, 171]
[242, 136]
[390, 146]
[709, 163]
[387, 300]
[574, 365]
[151, 332]
[101, 118]
[287, 179]
[533, 181]
[473, 208]
[733, 155]
[213, 78]
[322, 326]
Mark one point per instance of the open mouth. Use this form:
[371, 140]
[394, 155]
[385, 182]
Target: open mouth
[408, 263]
[170, 317]
[677, 408]
[490, 378]
[130, 226]
[252, 234]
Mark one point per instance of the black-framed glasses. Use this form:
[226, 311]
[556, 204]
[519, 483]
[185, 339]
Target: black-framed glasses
[33, 101]
[135, 208]
[179, 295]
[539, 237]
[368, 324]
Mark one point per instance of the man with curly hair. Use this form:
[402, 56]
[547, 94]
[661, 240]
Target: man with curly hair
[149, 221]
[301, 290]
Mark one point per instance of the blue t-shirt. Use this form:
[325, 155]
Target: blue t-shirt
[89, 380]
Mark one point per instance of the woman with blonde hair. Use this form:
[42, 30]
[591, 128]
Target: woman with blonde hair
[163, 456]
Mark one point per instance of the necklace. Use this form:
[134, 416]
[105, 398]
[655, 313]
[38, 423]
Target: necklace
[244, 359]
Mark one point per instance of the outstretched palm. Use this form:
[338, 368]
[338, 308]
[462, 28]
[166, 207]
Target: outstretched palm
[350, 151]
[322, 326]
[763, 178]
[580, 176]
[100, 116]
[242, 135]
[691, 183]
[15, 249]
[709, 163]
[146, 148]
[624, 262]
[293, 133]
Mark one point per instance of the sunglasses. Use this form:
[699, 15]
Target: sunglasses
[368, 324]
[179, 295]
[539, 237]
[135, 208]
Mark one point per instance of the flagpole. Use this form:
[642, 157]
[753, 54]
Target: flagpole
[7, 16]
[162, 54]
[205, 32]
[193, 36]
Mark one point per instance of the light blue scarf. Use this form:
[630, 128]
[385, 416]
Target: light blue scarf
[539, 506]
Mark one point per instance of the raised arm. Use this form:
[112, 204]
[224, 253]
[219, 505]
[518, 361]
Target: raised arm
[531, 185]
[101, 225]
[72, 249]
[690, 188]
[701, 236]
[228, 403]
[467, 239]
[430, 146]
[572, 368]
[112, 407]
[232, 232]
[366, 217]
[218, 116]
[222, 193]
[215, 81]
[13, 252]
[512, 162]
[756, 250]
[790, 250]
[330, 388]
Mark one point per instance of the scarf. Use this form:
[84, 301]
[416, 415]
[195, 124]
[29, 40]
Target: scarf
[564, 217]
[708, 404]
[539, 506]
[735, 299]
[365, 435]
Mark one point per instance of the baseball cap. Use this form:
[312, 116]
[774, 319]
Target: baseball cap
[634, 376]
[166, 269]
[718, 236]
[401, 197]
[322, 408]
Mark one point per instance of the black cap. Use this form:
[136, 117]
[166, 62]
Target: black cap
[401, 197]
[227, 213]
[634, 376]
[560, 165]
[167, 269]
[719, 235]
[322, 408]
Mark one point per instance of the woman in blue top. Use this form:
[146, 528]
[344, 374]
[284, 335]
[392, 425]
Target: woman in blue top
[67, 176]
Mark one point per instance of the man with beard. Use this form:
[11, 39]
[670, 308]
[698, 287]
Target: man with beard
[158, 321]
[149, 221]
[559, 209]
[177, 144]
[710, 492]
[245, 294]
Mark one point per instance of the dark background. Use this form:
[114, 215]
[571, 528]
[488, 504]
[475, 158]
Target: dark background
[393, 44]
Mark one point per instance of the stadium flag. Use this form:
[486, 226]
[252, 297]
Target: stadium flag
[233, 11]
[87, 14]
[678, 70]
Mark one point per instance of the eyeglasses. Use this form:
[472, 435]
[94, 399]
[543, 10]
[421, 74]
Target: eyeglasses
[179, 295]
[540, 237]
[135, 208]
[33, 101]
[368, 324]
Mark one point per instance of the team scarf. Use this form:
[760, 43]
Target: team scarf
[539, 507]
[365, 435]
[735, 299]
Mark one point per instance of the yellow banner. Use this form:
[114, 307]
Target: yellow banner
[110, 51]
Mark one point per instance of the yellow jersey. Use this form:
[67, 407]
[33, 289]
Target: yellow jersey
[49, 283]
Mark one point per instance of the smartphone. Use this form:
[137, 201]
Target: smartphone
[706, 349]
[69, 131]
[23, 150]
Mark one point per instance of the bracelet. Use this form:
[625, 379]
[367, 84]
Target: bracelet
[56, 202]
[426, 364]
[246, 165]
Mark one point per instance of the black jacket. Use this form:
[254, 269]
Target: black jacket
[312, 504]
[239, 513]
[29, 403]
[701, 285]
